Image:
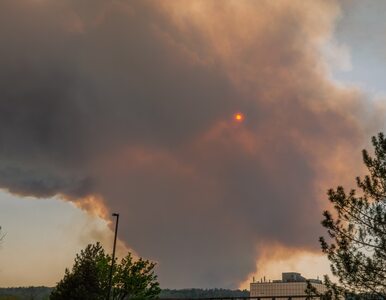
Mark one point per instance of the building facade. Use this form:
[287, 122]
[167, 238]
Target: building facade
[291, 284]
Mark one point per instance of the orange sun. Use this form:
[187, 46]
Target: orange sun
[238, 117]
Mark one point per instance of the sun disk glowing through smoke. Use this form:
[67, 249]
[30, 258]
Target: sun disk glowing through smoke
[238, 117]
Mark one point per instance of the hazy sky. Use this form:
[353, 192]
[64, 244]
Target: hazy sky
[128, 106]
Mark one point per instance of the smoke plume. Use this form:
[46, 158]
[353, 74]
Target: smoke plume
[131, 103]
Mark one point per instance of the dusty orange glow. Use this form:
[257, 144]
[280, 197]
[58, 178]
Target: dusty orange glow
[94, 205]
[275, 259]
[239, 117]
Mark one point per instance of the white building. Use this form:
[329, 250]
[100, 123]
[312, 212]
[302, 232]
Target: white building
[291, 284]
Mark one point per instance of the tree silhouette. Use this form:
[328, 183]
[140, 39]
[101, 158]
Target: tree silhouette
[356, 227]
[88, 279]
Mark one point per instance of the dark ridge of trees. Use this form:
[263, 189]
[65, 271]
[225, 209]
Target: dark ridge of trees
[202, 293]
[25, 293]
[42, 293]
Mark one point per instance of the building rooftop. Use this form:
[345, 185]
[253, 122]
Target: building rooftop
[289, 277]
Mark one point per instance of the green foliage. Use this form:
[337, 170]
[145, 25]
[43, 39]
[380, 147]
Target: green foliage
[313, 293]
[135, 279]
[89, 278]
[356, 246]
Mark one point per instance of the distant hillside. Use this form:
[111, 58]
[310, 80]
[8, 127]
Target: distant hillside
[202, 293]
[42, 293]
[25, 293]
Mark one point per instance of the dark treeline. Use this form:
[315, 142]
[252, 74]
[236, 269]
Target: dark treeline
[42, 293]
[202, 293]
[25, 293]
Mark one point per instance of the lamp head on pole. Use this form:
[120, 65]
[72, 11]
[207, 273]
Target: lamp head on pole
[115, 215]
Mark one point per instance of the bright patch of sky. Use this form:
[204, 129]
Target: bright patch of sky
[42, 238]
[361, 33]
[310, 265]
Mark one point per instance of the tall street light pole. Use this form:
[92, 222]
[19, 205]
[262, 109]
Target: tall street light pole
[113, 258]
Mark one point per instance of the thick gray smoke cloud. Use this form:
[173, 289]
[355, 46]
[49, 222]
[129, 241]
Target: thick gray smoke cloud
[133, 101]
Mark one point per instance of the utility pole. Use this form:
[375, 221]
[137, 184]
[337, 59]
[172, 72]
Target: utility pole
[113, 258]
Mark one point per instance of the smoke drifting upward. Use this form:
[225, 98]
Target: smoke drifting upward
[132, 102]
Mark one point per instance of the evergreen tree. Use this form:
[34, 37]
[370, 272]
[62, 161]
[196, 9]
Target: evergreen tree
[357, 229]
[88, 277]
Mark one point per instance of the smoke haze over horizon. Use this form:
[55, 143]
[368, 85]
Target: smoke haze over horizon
[127, 106]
